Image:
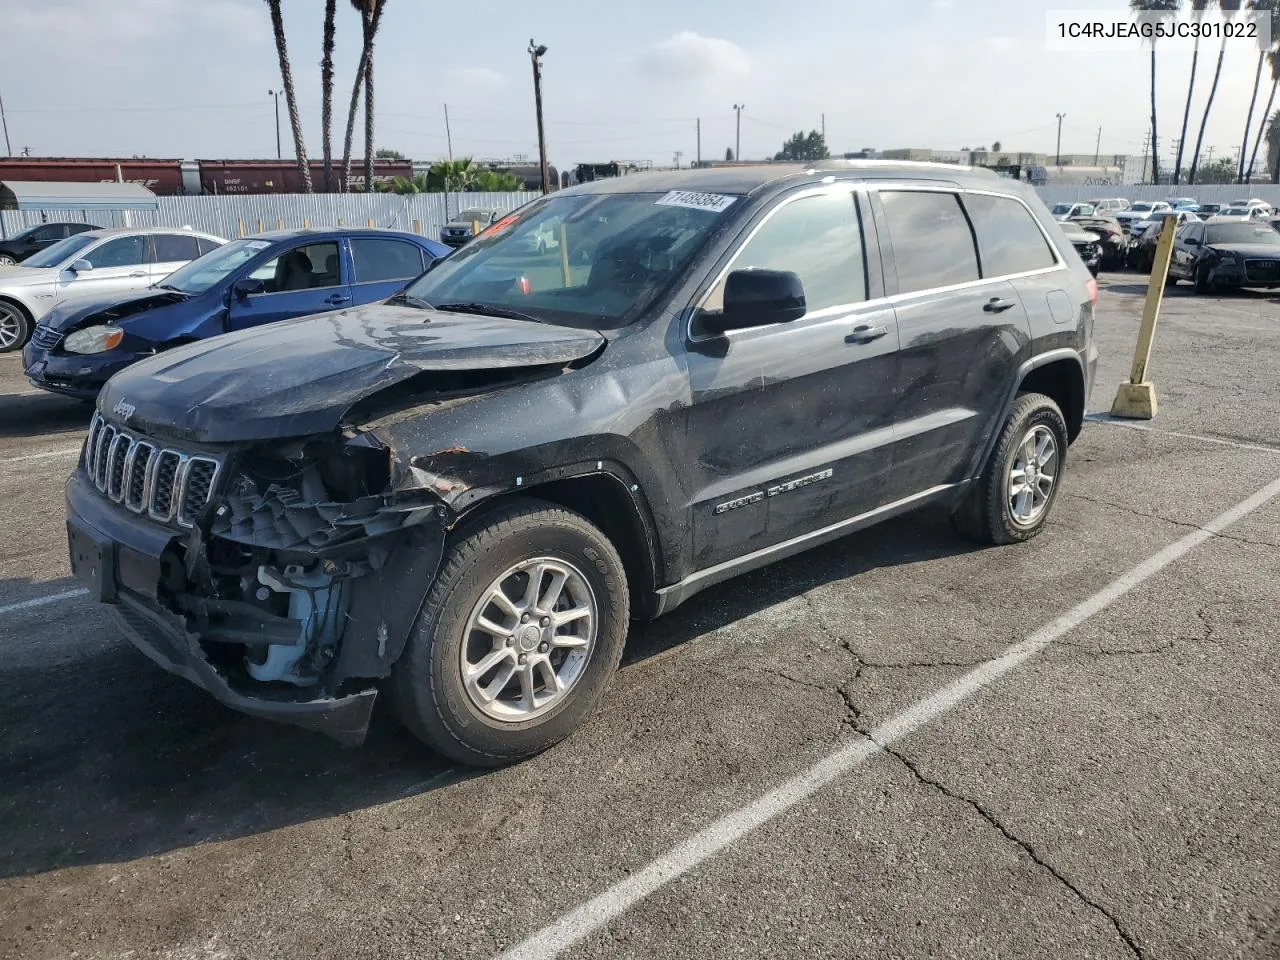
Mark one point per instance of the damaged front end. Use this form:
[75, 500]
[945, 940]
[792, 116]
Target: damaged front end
[284, 578]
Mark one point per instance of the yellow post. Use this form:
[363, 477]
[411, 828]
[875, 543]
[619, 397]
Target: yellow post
[417, 226]
[306, 224]
[371, 223]
[242, 226]
[1136, 399]
[279, 224]
[564, 256]
[260, 226]
[339, 221]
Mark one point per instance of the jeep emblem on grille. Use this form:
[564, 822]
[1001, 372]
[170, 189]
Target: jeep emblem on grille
[123, 409]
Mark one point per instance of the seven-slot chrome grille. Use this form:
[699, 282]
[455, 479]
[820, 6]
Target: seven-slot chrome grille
[167, 485]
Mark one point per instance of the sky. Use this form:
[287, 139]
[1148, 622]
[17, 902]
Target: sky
[621, 81]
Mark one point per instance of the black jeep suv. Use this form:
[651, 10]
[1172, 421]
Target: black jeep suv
[462, 495]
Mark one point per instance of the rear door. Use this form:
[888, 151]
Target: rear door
[961, 331]
[118, 264]
[382, 266]
[305, 279]
[170, 251]
[790, 426]
[1187, 243]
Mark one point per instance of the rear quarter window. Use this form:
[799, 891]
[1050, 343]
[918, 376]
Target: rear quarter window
[931, 239]
[1009, 239]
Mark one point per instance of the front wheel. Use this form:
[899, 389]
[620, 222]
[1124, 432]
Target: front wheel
[6, 260]
[1200, 283]
[1012, 499]
[517, 638]
[15, 327]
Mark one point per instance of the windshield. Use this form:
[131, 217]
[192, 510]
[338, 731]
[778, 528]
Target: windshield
[613, 255]
[1142, 207]
[1242, 233]
[1061, 209]
[60, 251]
[201, 274]
[474, 214]
[1235, 212]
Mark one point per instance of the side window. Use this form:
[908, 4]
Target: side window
[302, 268]
[819, 238]
[74, 228]
[205, 245]
[120, 252]
[932, 242]
[385, 259]
[172, 246]
[1009, 240]
[50, 232]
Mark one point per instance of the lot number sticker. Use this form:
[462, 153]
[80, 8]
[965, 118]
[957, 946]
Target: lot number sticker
[715, 202]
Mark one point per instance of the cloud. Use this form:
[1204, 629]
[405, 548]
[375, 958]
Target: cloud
[688, 57]
[83, 26]
[480, 79]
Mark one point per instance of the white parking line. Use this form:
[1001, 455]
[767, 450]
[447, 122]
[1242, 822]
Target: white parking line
[1222, 441]
[63, 452]
[43, 601]
[583, 920]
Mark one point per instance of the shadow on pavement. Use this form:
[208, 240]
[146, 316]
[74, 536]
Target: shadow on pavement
[106, 758]
[42, 414]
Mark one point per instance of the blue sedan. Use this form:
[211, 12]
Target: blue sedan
[273, 276]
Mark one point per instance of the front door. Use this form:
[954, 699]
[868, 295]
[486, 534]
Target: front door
[790, 426]
[115, 265]
[382, 266]
[1187, 244]
[301, 281]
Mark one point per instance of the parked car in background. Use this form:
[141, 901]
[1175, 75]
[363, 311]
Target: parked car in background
[462, 496]
[1226, 253]
[467, 224]
[34, 239]
[1112, 243]
[1182, 203]
[1243, 213]
[1086, 244]
[1253, 203]
[1207, 210]
[1142, 242]
[1110, 205]
[1066, 211]
[274, 276]
[1139, 211]
[95, 262]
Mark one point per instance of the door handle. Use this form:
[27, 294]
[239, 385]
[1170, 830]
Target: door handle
[865, 334]
[336, 299]
[138, 273]
[996, 305]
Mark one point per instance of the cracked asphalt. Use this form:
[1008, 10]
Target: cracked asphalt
[1113, 796]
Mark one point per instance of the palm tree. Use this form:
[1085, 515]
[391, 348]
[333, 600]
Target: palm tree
[1273, 147]
[1273, 58]
[326, 92]
[370, 17]
[1228, 7]
[1199, 7]
[1154, 6]
[1269, 5]
[290, 95]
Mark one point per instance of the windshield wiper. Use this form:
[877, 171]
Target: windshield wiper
[408, 301]
[169, 286]
[486, 309]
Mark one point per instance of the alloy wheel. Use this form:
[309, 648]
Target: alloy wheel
[528, 639]
[1032, 475]
[11, 326]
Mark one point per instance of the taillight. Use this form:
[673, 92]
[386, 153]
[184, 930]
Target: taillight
[1092, 287]
[524, 286]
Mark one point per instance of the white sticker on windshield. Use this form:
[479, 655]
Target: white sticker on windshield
[715, 202]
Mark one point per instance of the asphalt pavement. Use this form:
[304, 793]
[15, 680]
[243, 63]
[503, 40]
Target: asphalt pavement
[893, 746]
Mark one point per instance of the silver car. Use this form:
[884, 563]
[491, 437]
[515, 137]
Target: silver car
[89, 264]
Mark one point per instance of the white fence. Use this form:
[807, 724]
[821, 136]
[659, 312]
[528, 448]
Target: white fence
[229, 216]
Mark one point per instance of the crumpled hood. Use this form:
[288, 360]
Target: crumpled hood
[114, 308]
[298, 377]
[1252, 251]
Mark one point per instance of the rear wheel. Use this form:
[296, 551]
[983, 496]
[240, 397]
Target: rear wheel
[1200, 282]
[6, 260]
[1012, 499]
[15, 326]
[517, 638]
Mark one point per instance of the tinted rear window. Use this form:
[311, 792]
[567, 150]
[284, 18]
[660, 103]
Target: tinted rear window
[385, 260]
[171, 248]
[1009, 240]
[932, 242]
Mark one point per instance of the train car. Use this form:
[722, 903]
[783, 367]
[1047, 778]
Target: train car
[161, 177]
[1066, 176]
[281, 176]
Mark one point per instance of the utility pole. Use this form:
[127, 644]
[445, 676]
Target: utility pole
[8, 150]
[679, 154]
[1146, 154]
[448, 137]
[1059, 116]
[737, 148]
[698, 128]
[1097, 148]
[275, 94]
[824, 128]
[536, 52]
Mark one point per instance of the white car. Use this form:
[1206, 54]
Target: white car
[1110, 205]
[1065, 211]
[1139, 212]
[88, 264]
[1259, 208]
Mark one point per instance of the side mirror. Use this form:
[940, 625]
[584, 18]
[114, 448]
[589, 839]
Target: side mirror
[758, 298]
[81, 266]
[1191, 242]
[246, 288]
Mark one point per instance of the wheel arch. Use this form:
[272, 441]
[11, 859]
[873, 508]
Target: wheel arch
[1061, 378]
